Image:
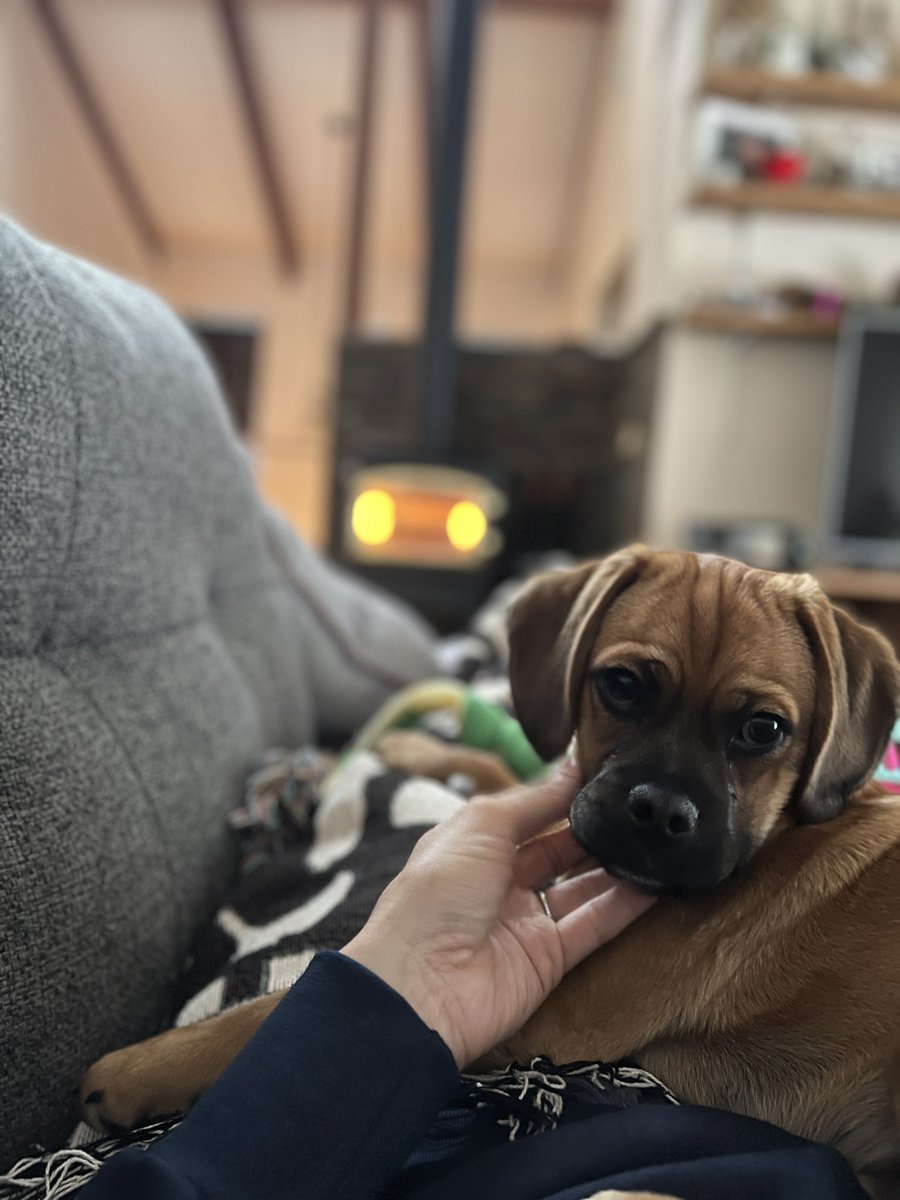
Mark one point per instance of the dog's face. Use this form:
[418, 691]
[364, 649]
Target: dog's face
[694, 713]
[711, 702]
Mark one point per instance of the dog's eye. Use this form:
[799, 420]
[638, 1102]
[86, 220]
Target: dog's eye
[620, 690]
[762, 731]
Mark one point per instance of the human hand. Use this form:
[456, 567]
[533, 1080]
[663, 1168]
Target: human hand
[461, 932]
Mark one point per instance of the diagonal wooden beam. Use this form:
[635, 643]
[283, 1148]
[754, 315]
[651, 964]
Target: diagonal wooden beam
[101, 131]
[258, 133]
[359, 204]
[425, 90]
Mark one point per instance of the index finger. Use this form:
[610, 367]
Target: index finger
[548, 856]
[527, 811]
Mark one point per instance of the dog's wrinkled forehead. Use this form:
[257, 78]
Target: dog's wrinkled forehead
[712, 621]
[720, 625]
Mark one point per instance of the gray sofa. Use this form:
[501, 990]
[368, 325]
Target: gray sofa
[158, 630]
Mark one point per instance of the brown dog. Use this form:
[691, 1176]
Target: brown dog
[727, 721]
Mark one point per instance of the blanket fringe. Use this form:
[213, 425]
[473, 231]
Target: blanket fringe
[62, 1174]
[65, 1172]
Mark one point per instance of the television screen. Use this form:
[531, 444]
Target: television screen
[863, 485]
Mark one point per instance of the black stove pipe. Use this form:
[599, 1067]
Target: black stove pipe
[457, 42]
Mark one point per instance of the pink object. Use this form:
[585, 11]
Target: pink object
[891, 763]
[827, 304]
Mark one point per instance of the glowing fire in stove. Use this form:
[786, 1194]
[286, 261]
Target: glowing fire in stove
[467, 526]
[419, 514]
[374, 517]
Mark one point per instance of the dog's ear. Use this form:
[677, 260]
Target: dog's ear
[551, 628]
[857, 699]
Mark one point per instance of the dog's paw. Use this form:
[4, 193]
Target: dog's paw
[167, 1074]
[132, 1086]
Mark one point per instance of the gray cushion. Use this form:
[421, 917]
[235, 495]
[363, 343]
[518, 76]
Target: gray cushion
[158, 629]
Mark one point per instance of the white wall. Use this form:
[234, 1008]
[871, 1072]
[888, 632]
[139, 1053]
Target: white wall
[741, 432]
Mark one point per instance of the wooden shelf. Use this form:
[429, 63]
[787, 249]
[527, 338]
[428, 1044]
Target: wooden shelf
[813, 199]
[732, 318]
[823, 88]
[858, 583]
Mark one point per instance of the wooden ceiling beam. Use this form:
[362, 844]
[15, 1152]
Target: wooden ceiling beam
[261, 147]
[425, 96]
[105, 140]
[367, 80]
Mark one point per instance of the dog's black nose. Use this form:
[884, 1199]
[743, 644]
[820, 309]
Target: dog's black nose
[661, 815]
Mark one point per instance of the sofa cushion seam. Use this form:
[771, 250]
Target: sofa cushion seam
[150, 808]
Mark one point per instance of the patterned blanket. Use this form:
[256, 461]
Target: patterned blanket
[320, 838]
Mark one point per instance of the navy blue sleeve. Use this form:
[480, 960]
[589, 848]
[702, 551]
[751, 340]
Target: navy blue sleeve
[328, 1098]
[673, 1150]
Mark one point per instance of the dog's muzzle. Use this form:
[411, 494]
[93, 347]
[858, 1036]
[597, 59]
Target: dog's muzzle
[656, 834]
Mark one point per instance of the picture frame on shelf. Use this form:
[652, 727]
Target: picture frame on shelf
[734, 141]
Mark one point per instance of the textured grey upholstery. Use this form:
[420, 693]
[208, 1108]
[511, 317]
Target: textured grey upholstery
[157, 631]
